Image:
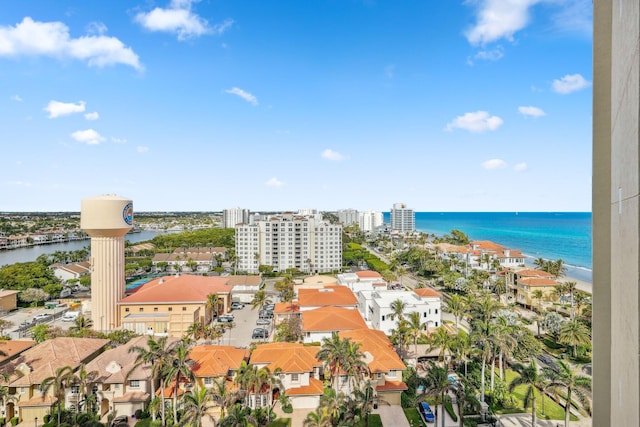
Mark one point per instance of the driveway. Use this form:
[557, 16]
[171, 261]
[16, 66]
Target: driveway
[392, 416]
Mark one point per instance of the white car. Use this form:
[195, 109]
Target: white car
[40, 317]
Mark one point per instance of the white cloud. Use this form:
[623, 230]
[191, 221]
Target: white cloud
[244, 95]
[329, 154]
[179, 18]
[490, 55]
[520, 167]
[274, 182]
[57, 108]
[92, 116]
[575, 16]
[494, 164]
[96, 28]
[142, 149]
[497, 19]
[118, 140]
[531, 111]
[31, 38]
[478, 121]
[89, 137]
[16, 98]
[570, 83]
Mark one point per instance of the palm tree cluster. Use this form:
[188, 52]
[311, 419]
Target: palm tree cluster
[556, 268]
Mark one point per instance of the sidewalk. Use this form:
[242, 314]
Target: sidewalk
[524, 420]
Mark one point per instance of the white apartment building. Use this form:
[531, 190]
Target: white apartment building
[403, 219]
[285, 241]
[232, 217]
[375, 307]
[370, 220]
[348, 216]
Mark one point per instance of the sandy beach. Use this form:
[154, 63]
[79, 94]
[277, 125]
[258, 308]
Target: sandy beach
[581, 284]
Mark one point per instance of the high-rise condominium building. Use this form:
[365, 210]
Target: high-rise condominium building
[403, 219]
[289, 241]
[348, 216]
[231, 217]
[370, 220]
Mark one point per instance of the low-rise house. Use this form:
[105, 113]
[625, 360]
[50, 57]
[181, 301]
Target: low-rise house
[385, 368]
[8, 300]
[169, 305]
[329, 296]
[76, 270]
[119, 384]
[29, 369]
[244, 287]
[378, 311]
[299, 371]
[521, 284]
[364, 280]
[320, 323]
[285, 310]
[194, 259]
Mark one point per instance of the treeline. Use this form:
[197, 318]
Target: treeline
[353, 254]
[215, 237]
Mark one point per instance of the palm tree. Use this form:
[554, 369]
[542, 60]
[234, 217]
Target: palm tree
[196, 407]
[574, 333]
[457, 307]
[540, 263]
[260, 299]
[213, 304]
[81, 324]
[58, 383]
[195, 331]
[437, 385]
[462, 347]
[84, 380]
[571, 287]
[180, 366]
[155, 355]
[537, 295]
[567, 378]
[285, 287]
[238, 416]
[366, 398]
[341, 356]
[397, 309]
[441, 339]
[465, 398]
[319, 418]
[222, 396]
[415, 328]
[528, 376]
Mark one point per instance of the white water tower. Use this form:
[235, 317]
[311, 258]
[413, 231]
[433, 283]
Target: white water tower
[106, 219]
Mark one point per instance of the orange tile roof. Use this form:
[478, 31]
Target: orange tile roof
[315, 387]
[11, 348]
[533, 273]
[392, 385]
[290, 357]
[513, 253]
[537, 281]
[327, 296]
[38, 401]
[380, 353]
[178, 289]
[216, 360]
[368, 274]
[169, 390]
[42, 360]
[286, 307]
[331, 319]
[486, 244]
[427, 292]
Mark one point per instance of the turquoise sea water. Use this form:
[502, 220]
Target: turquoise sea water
[550, 235]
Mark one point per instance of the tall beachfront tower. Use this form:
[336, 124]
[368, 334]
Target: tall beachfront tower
[106, 219]
[403, 219]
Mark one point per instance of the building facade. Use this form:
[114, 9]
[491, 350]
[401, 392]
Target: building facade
[234, 216]
[370, 220]
[289, 241]
[348, 216]
[403, 219]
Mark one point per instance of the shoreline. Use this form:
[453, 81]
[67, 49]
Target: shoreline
[581, 284]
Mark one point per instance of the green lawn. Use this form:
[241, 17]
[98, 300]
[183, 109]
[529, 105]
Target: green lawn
[414, 417]
[552, 410]
[374, 421]
[145, 422]
[281, 422]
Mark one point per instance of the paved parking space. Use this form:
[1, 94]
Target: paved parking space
[244, 324]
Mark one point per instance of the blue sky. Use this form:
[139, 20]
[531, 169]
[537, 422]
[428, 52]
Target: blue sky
[444, 105]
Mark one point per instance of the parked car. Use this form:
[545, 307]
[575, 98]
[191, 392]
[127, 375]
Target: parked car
[70, 316]
[237, 306]
[40, 317]
[121, 421]
[226, 318]
[265, 314]
[260, 333]
[263, 322]
[426, 412]
[269, 307]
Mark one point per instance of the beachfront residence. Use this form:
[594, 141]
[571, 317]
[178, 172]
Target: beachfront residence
[27, 371]
[485, 254]
[385, 367]
[322, 322]
[329, 296]
[376, 307]
[298, 369]
[169, 305]
[521, 284]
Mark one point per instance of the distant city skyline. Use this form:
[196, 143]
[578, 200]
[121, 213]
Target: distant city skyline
[186, 105]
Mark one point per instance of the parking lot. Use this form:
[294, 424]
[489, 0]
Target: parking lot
[21, 320]
[243, 325]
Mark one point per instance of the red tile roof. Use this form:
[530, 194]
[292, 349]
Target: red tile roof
[286, 307]
[216, 360]
[178, 289]
[391, 385]
[332, 319]
[427, 292]
[486, 244]
[533, 273]
[10, 348]
[380, 353]
[537, 281]
[315, 387]
[368, 274]
[289, 357]
[132, 396]
[327, 296]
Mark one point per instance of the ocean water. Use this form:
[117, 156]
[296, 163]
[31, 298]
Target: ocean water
[549, 235]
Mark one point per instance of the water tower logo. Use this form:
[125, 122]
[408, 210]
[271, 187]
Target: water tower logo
[127, 214]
